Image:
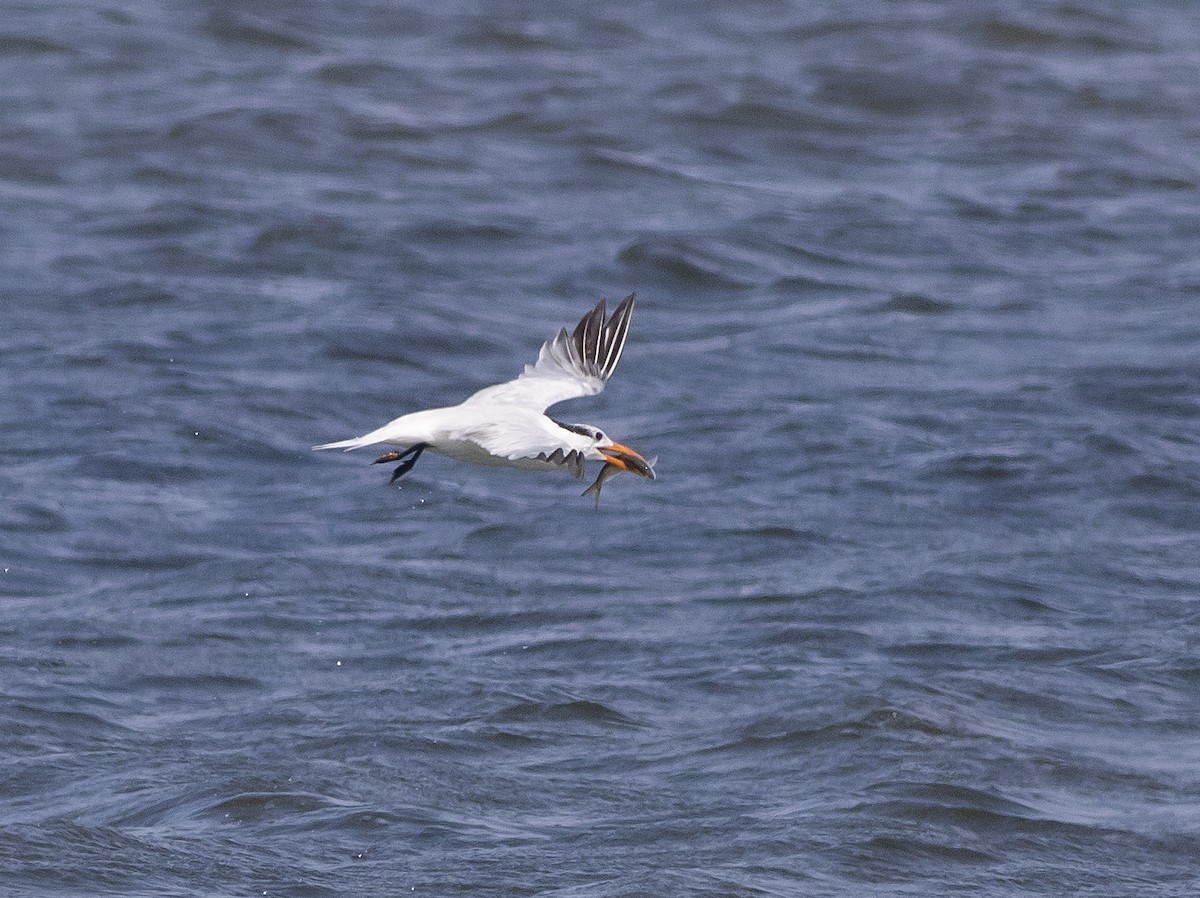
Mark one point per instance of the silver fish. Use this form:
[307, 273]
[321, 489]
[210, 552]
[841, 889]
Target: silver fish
[621, 462]
[609, 470]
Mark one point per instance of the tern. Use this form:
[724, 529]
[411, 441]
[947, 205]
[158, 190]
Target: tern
[505, 425]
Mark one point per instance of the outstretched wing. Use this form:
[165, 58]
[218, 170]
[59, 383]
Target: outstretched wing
[570, 365]
[524, 439]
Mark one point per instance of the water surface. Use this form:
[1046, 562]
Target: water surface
[912, 608]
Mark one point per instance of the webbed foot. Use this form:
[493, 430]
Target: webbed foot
[407, 459]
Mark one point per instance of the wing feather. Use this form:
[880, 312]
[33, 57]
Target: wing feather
[571, 364]
[586, 339]
[615, 333]
[525, 436]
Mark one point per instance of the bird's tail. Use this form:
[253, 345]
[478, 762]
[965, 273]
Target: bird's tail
[405, 431]
[398, 433]
[355, 443]
[389, 433]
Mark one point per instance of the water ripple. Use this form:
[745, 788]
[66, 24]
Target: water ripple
[910, 609]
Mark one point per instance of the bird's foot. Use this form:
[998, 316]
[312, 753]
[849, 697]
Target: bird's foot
[407, 459]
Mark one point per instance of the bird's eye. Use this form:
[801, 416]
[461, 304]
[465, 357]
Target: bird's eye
[600, 437]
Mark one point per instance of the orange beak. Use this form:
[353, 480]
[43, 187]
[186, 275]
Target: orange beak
[628, 460]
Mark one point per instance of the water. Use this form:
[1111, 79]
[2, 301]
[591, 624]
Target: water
[912, 608]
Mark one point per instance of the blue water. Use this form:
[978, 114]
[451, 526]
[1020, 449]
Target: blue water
[912, 608]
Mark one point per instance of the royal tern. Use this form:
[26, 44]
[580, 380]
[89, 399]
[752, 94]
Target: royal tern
[505, 425]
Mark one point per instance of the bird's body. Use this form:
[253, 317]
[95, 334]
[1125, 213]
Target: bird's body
[462, 432]
[506, 426]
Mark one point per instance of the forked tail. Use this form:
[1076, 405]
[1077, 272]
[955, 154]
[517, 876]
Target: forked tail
[355, 443]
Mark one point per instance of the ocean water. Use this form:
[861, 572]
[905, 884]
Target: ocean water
[914, 605]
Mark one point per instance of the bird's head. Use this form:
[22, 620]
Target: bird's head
[614, 453]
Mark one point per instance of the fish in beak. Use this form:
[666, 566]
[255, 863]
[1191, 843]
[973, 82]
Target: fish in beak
[626, 459]
[619, 458]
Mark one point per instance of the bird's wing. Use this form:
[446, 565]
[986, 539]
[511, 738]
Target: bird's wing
[570, 365]
[523, 437]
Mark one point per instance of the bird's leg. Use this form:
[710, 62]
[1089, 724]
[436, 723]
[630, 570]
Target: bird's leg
[406, 462]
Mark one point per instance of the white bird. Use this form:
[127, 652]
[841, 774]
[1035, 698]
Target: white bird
[505, 425]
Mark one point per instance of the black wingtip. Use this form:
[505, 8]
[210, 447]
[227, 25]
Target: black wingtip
[599, 339]
[615, 333]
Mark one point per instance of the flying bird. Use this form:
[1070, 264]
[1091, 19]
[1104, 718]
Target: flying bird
[506, 425]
